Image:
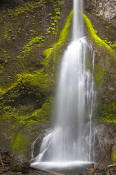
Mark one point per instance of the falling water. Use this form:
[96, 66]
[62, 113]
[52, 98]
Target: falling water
[71, 137]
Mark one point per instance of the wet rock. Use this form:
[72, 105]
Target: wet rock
[104, 8]
[36, 144]
[19, 164]
[105, 136]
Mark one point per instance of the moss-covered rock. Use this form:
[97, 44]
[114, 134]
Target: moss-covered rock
[95, 38]
[104, 73]
[27, 87]
[101, 35]
[114, 154]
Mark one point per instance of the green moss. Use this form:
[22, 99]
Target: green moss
[43, 113]
[17, 99]
[60, 3]
[19, 143]
[20, 79]
[114, 155]
[65, 32]
[113, 45]
[24, 118]
[38, 79]
[52, 51]
[108, 112]
[99, 73]
[2, 91]
[44, 79]
[54, 18]
[6, 37]
[94, 37]
[106, 120]
[26, 7]
[36, 40]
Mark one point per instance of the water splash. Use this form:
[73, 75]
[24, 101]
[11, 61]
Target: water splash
[71, 137]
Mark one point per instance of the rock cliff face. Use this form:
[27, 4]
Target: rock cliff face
[105, 136]
[100, 22]
[104, 8]
[33, 36]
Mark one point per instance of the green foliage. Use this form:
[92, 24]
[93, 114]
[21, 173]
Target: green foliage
[94, 37]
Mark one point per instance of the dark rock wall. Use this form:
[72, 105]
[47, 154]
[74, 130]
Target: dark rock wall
[29, 54]
[102, 14]
[104, 8]
[33, 36]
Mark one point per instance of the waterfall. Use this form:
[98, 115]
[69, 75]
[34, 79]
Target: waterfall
[78, 27]
[70, 140]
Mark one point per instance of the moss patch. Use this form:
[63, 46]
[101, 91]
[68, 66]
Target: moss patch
[52, 52]
[20, 125]
[42, 79]
[19, 143]
[25, 118]
[26, 7]
[94, 37]
[99, 73]
[108, 112]
[43, 113]
[114, 155]
[29, 60]
[36, 40]
[38, 85]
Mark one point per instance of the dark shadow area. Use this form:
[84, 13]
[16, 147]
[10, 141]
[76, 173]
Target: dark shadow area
[12, 3]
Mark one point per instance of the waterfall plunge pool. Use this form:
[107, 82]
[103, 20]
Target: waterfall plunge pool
[74, 105]
[72, 167]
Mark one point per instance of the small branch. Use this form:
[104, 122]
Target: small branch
[111, 166]
[102, 159]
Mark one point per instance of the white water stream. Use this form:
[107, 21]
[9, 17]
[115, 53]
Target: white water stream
[70, 141]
